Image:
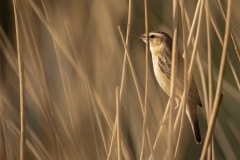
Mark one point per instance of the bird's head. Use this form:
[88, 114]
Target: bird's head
[158, 42]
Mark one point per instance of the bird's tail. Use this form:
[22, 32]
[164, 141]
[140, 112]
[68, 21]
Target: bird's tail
[193, 118]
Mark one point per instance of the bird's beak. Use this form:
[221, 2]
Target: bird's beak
[141, 36]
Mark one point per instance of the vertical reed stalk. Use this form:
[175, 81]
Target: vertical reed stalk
[21, 83]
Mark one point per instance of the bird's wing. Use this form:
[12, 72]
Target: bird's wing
[193, 92]
[164, 64]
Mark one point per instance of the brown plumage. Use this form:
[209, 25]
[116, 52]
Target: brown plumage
[161, 51]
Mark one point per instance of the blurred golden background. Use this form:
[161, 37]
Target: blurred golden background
[77, 103]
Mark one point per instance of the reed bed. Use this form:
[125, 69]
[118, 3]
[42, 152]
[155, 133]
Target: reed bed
[76, 84]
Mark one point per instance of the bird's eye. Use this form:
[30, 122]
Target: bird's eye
[152, 36]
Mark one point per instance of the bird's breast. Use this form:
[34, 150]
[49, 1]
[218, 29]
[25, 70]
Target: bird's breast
[161, 77]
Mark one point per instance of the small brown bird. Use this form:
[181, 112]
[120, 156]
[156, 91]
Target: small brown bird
[161, 51]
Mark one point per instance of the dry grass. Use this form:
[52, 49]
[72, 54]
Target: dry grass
[89, 89]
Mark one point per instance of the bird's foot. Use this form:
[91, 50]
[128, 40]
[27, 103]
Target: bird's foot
[176, 107]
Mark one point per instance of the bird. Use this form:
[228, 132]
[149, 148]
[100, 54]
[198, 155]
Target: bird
[160, 44]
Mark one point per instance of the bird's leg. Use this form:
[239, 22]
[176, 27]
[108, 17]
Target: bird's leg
[177, 103]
